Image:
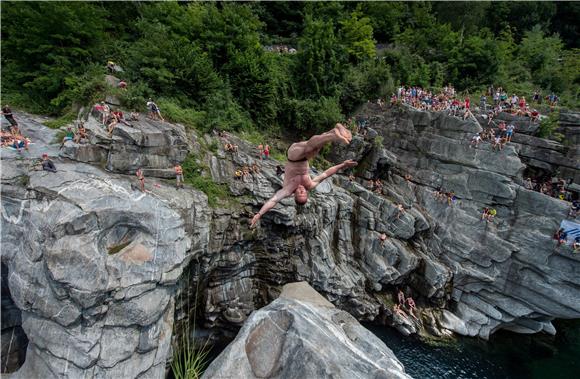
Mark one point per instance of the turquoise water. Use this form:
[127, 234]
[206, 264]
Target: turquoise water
[505, 355]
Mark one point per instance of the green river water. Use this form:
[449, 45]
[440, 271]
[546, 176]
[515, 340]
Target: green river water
[505, 355]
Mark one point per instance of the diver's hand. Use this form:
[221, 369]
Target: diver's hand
[349, 163]
[255, 220]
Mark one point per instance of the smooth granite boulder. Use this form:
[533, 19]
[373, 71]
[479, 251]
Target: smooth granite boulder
[302, 335]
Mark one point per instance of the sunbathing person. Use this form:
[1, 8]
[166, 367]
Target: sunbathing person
[297, 179]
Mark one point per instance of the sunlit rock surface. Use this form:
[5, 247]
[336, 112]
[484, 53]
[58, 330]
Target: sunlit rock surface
[302, 335]
[101, 272]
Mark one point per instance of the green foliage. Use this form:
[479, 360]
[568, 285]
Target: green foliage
[44, 43]
[548, 125]
[320, 59]
[60, 122]
[189, 360]
[475, 61]
[196, 175]
[312, 116]
[189, 117]
[369, 80]
[357, 36]
[206, 66]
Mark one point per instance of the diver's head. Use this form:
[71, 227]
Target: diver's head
[301, 195]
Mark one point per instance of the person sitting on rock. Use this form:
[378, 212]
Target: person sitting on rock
[112, 124]
[475, 140]
[266, 152]
[47, 164]
[496, 142]
[485, 213]
[574, 209]
[111, 67]
[141, 179]
[69, 136]
[255, 169]
[400, 210]
[377, 186]
[19, 143]
[411, 304]
[399, 311]
[245, 172]
[297, 180]
[491, 214]
[561, 236]
[122, 84]
[178, 176]
[134, 116]
[81, 134]
[383, 239]
[401, 297]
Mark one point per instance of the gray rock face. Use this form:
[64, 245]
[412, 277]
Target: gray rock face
[301, 335]
[101, 272]
[152, 145]
[92, 266]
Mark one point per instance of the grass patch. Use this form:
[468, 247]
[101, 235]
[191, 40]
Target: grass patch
[114, 249]
[189, 117]
[189, 359]
[549, 124]
[194, 175]
[61, 121]
[59, 136]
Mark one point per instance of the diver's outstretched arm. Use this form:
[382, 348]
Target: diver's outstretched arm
[333, 170]
[270, 204]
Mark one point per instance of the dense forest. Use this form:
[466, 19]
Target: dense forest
[291, 65]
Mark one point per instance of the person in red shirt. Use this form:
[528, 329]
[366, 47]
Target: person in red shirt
[266, 152]
[467, 103]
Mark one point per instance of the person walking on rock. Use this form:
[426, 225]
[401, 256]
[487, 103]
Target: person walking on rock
[297, 179]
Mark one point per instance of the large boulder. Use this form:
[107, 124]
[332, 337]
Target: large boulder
[302, 335]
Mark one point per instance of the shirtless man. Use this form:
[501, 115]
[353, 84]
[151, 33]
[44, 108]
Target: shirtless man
[297, 180]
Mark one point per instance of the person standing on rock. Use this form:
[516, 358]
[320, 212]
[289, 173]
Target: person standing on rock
[141, 179]
[7, 112]
[297, 179]
[154, 112]
[178, 176]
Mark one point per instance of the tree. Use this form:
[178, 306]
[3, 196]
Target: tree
[320, 56]
[357, 36]
[541, 54]
[475, 62]
[44, 43]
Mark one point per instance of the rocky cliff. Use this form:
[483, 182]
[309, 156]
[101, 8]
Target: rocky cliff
[97, 268]
[302, 335]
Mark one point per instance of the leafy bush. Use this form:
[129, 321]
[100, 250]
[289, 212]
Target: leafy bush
[186, 116]
[548, 125]
[312, 116]
[194, 174]
[60, 122]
